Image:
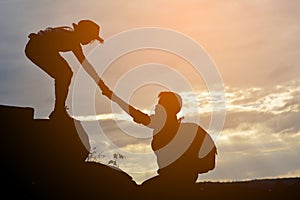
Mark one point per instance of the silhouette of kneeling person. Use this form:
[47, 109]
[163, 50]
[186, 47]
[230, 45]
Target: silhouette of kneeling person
[183, 150]
[44, 48]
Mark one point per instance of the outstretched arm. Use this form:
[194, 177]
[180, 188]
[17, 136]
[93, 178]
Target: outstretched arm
[137, 115]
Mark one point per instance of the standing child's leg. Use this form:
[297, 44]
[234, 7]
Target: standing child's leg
[62, 80]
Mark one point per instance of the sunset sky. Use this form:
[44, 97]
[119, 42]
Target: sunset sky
[254, 45]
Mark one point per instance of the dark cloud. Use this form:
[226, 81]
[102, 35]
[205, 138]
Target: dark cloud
[287, 122]
[119, 136]
[284, 123]
[256, 166]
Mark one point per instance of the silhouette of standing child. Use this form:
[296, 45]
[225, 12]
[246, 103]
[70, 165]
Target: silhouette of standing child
[44, 48]
[183, 150]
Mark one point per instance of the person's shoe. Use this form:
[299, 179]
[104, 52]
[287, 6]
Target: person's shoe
[59, 114]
